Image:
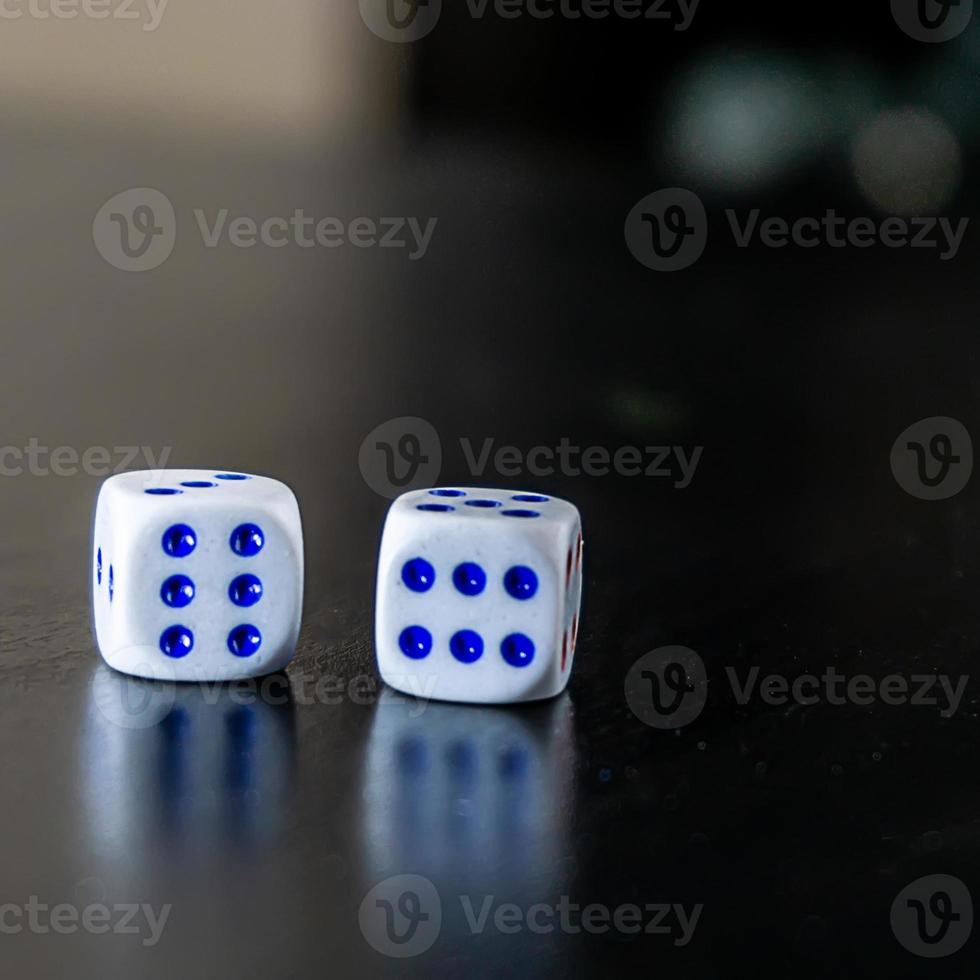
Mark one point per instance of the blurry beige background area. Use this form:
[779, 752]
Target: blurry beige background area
[230, 110]
[227, 67]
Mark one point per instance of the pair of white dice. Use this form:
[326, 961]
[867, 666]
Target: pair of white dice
[198, 575]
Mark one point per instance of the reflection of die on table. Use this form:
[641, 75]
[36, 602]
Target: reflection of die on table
[197, 574]
[199, 766]
[478, 594]
[464, 793]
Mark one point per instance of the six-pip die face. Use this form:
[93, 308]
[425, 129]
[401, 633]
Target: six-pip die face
[478, 594]
[197, 574]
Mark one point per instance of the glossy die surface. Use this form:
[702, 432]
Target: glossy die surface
[478, 595]
[197, 574]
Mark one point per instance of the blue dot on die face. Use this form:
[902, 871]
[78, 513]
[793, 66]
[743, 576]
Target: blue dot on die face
[244, 640]
[530, 498]
[179, 540]
[177, 592]
[246, 590]
[487, 504]
[517, 649]
[198, 484]
[469, 578]
[448, 493]
[415, 642]
[231, 476]
[112, 583]
[98, 567]
[435, 508]
[520, 513]
[521, 582]
[466, 646]
[162, 492]
[247, 540]
[418, 575]
[177, 642]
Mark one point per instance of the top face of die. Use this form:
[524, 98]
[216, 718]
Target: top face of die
[505, 511]
[194, 488]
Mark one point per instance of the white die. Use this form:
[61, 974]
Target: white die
[197, 574]
[478, 595]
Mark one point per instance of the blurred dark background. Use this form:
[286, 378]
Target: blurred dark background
[526, 321]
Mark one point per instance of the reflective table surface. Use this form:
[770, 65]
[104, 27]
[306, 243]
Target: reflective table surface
[268, 829]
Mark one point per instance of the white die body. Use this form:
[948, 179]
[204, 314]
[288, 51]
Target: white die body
[549, 544]
[134, 513]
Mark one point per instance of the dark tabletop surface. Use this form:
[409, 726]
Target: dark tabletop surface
[263, 820]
